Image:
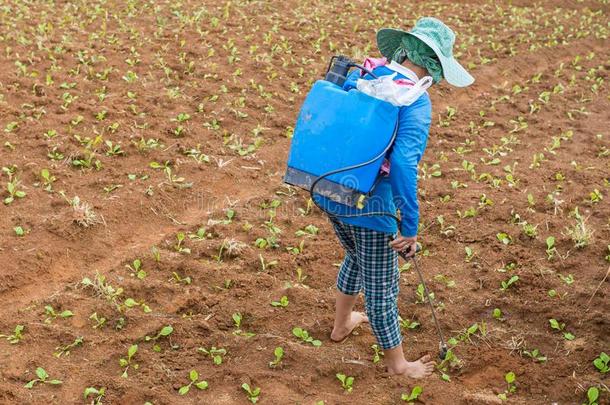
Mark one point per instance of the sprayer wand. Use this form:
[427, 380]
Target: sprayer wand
[442, 346]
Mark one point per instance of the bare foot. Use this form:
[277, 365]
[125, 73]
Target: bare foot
[415, 369]
[339, 333]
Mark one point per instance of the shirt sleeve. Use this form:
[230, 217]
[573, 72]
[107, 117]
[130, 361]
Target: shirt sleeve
[413, 128]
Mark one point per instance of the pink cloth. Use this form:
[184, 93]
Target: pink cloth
[372, 63]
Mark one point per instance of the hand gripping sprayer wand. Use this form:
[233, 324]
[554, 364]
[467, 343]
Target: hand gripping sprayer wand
[337, 73]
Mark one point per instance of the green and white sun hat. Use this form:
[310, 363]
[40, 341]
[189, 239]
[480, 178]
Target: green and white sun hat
[435, 34]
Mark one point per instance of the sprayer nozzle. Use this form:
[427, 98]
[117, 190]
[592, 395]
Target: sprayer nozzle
[443, 352]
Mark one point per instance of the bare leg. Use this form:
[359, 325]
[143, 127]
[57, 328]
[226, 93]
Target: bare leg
[397, 364]
[345, 319]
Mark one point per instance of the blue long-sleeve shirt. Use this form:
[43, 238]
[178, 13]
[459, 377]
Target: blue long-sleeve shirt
[399, 189]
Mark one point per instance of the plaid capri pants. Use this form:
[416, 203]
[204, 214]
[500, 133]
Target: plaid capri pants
[371, 265]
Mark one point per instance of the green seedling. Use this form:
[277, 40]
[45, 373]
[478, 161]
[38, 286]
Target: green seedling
[12, 188]
[536, 355]
[184, 280]
[602, 363]
[52, 314]
[551, 250]
[504, 238]
[65, 350]
[201, 234]
[497, 314]
[561, 328]
[214, 353]
[253, 394]
[156, 254]
[43, 377]
[99, 321]
[309, 230]
[347, 383]
[420, 292]
[97, 395]
[180, 236]
[136, 269]
[377, 354]
[450, 362]
[592, 396]
[237, 318]
[413, 396]
[295, 250]
[569, 279]
[505, 285]
[510, 380]
[131, 303]
[301, 277]
[47, 180]
[445, 280]
[19, 231]
[469, 254]
[164, 332]
[279, 355]
[17, 335]
[193, 376]
[304, 335]
[408, 324]
[126, 361]
[266, 265]
[283, 302]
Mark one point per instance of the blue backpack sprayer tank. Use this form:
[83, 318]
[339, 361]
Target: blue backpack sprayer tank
[340, 141]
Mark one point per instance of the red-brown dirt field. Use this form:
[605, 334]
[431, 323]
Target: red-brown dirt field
[143, 147]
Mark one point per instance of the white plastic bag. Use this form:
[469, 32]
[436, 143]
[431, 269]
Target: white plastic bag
[385, 88]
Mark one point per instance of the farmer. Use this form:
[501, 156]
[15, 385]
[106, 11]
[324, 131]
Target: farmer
[371, 261]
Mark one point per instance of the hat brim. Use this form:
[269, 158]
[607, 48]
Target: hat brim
[390, 39]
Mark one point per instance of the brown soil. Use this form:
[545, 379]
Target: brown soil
[88, 48]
